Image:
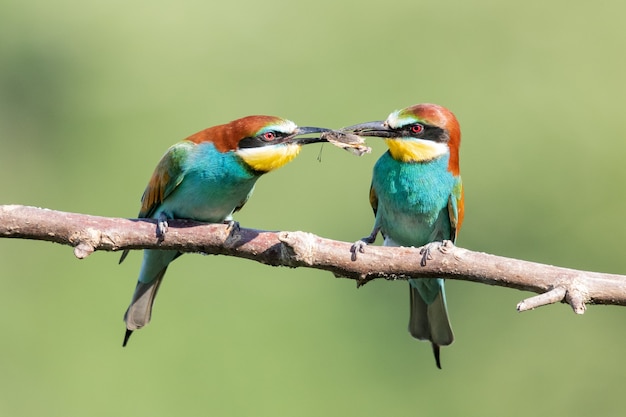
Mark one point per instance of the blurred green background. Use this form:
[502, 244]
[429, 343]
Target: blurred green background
[93, 93]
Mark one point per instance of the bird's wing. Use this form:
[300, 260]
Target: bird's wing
[374, 204]
[167, 176]
[456, 208]
[373, 199]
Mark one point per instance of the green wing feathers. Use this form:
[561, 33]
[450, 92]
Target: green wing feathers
[166, 177]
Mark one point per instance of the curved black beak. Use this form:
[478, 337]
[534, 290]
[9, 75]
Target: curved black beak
[307, 130]
[377, 129]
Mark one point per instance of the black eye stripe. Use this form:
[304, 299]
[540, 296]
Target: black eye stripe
[261, 139]
[428, 132]
[251, 142]
[274, 135]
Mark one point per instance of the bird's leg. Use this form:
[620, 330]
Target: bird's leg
[161, 226]
[359, 245]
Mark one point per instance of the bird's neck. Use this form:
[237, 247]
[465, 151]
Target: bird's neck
[268, 158]
[416, 150]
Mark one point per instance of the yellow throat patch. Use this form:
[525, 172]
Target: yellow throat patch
[415, 150]
[268, 158]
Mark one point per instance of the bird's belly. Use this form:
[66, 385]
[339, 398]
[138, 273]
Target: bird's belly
[408, 228]
[207, 201]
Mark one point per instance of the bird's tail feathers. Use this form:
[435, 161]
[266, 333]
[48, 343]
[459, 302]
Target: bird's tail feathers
[124, 255]
[430, 321]
[140, 308]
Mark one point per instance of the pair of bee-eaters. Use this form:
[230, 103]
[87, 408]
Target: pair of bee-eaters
[416, 194]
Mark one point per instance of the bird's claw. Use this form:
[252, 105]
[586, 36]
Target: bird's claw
[425, 252]
[358, 247]
[162, 226]
[446, 246]
[443, 247]
[232, 225]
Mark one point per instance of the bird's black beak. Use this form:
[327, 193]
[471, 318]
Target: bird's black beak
[307, 131]
[377, 129]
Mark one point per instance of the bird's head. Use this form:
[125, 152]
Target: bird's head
[418, 133]
[264, 143]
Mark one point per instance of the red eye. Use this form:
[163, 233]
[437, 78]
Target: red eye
[417, 128]
[269, 136]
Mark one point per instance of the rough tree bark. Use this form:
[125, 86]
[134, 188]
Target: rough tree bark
[300, 249]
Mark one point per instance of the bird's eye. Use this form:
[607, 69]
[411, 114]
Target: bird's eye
[417, 128]
[269, 136]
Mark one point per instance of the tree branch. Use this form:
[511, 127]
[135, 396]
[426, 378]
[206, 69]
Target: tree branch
[300, 249]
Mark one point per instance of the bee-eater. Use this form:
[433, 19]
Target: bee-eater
[417, 197]
[207, 177]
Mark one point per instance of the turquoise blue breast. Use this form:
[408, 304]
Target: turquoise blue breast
[413, 199]
[213, 185]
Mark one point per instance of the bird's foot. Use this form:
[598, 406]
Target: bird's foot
[359, 247]
[232, 226]
[446, 246]
[162, 226]
[426, 252]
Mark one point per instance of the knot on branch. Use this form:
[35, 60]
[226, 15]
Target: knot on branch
[86, 241]
[577, 297]
[299, 246]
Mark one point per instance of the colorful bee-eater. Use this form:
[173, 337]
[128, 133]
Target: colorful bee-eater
[417, 197]
[207, 177]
